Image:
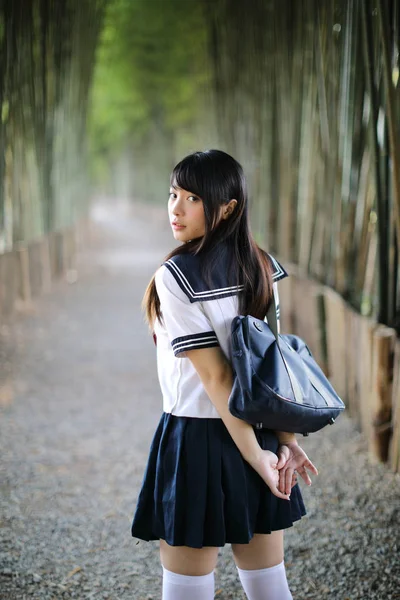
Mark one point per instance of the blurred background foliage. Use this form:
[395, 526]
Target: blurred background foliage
[47, 52]
[149, 93]
[105, 96]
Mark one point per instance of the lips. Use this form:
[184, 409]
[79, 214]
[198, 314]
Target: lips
[175, 224]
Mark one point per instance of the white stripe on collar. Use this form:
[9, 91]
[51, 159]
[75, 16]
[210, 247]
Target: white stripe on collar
[279, 270]
[190, 291]
[222, 292]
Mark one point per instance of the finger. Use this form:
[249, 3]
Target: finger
[283, 454]
[281, 460]
[311, 467]
[288, 480]
[282, 481]
[279, 494]
[304, 475]
[273, 483]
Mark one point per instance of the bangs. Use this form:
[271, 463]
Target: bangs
[188, 176]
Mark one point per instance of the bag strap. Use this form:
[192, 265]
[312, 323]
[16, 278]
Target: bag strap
[273, 325]
[271, 316]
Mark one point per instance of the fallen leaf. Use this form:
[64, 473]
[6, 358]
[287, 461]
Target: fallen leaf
[71, 573]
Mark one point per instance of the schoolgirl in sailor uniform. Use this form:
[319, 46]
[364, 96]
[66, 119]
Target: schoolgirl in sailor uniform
[212, 479]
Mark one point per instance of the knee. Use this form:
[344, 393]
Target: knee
[188, 561]
[263, 551]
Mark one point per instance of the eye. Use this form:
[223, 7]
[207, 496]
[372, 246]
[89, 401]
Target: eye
[191, 198]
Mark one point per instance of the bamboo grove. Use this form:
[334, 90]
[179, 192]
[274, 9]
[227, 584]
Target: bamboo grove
[47, 50]
[304, 93]
[308, 94]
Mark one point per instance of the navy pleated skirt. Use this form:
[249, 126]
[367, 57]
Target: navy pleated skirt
[198, 491]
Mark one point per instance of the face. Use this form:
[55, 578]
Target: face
[187, 210]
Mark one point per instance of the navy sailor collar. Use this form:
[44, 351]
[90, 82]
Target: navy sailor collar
[186, 270]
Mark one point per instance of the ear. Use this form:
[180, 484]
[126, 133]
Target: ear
[227, 209]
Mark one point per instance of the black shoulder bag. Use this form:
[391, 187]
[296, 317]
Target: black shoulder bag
[278, 384]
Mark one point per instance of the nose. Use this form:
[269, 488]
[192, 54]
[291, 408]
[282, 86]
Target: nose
[177, 206]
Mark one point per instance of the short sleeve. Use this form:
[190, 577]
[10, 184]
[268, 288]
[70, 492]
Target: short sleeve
[187, 325]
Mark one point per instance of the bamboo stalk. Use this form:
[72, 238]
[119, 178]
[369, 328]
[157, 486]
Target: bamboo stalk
[373, 119]
[393, 123]
[362, 226]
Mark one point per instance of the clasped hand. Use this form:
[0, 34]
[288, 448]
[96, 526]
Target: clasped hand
[279, 470]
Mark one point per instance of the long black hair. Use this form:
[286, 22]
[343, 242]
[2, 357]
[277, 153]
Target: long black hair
[217, 177]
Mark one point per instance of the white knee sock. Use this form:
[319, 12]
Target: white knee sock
[187, 587]
[266, 584]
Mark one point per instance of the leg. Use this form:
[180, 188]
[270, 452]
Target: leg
[261, 568]
[263, 551]
[188, 573]
[188, 561]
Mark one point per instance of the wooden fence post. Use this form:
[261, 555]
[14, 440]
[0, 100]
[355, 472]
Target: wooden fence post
[25, 293]
[35, 267]
[383, 344]
[364, 367]
[9, 270]
[352, 347]
[336, 340]
[394, 448]
[46, 267]
[306, 316]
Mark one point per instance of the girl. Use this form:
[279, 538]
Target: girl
[211, 478]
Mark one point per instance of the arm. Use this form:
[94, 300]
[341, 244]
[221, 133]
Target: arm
[216, 375]
[285, 437]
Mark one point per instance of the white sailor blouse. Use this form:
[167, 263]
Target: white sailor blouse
[195, 315]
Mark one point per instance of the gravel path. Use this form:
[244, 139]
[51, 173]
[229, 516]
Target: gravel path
[80, 400]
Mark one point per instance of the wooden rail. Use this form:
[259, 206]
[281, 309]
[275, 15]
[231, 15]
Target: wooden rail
[28, 270]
